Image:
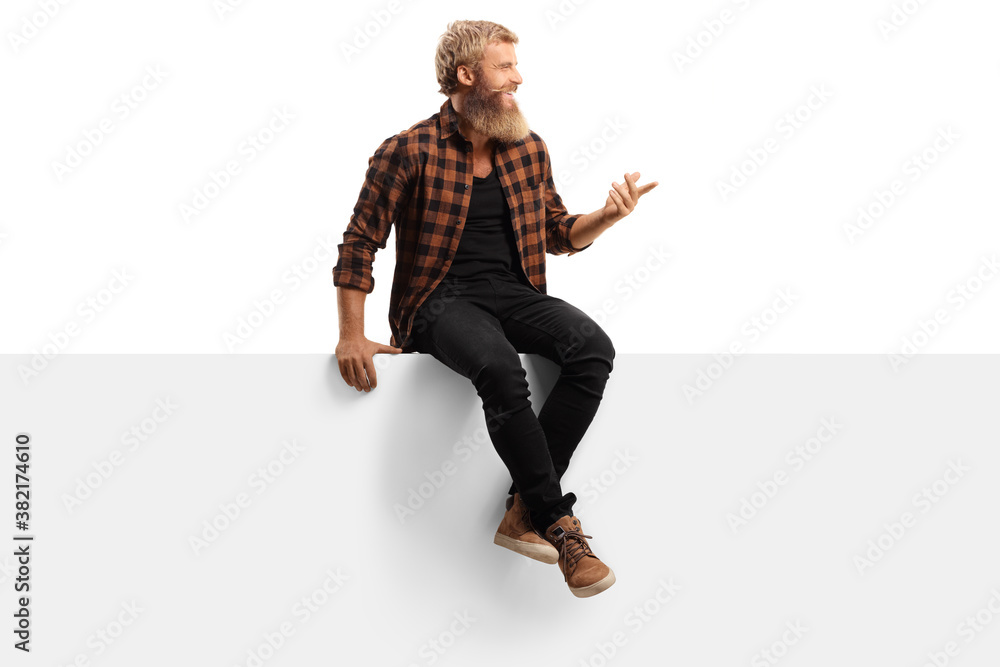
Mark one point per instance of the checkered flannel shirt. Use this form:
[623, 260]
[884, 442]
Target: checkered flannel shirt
[420, 180]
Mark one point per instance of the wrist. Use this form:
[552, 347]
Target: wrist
[608, 219]
[352, 335]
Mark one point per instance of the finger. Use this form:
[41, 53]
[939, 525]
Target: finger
[370, 371]
[647, 187]
[358, 369]
[617, 198]
[344, 371]
[626, 197]
[348, 372]
[633, 189]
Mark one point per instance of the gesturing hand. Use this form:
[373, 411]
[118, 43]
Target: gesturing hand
[623, 197]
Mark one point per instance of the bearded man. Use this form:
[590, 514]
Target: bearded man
[475, 210]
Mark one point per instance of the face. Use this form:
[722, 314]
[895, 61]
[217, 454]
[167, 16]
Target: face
[489, 106]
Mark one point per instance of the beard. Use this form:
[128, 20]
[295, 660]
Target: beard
[485, 111]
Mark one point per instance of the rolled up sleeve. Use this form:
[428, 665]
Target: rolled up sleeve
[558, 221]
[381, 203]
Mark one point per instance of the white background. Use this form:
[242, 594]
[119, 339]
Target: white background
[587, 68]
[692, 458]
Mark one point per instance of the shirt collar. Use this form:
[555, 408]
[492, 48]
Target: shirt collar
[448, 120]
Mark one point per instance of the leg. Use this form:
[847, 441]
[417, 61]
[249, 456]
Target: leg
[550, 327]
[460, 329]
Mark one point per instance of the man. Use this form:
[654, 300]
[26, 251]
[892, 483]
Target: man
[471, 195]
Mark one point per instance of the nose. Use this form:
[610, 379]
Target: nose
[517, 76]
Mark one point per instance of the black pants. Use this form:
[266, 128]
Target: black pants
[477, 327]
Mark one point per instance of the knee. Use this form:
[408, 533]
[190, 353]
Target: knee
[603, 348]
[500, 379]
[592, 346]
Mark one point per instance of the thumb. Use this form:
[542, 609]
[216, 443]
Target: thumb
[387, 349]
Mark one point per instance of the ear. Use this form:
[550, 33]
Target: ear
[465, 75]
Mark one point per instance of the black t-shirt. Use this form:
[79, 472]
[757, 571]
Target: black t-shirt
[487, 244]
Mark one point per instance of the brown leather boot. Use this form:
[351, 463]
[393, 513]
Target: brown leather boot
[517, 534]
[584, 572]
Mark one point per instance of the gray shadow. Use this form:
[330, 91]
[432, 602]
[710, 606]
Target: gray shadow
[415, 440]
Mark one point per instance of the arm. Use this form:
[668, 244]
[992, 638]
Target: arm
[559, 224]
[351, 311]
[382, 201]
[587, 228]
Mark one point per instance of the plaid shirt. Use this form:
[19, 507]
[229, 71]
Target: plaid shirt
[420, 180]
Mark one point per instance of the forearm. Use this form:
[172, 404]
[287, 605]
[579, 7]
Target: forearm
[587, 228]
[351, 310]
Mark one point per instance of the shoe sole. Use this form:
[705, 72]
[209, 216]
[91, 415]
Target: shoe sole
[537, 552]
[593, 589]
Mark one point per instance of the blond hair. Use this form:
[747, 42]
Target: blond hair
[463, 43]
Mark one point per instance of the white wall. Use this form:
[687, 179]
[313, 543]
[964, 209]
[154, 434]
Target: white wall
[596, 74]
[862, 455]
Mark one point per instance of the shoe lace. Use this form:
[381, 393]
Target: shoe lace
[572, 547]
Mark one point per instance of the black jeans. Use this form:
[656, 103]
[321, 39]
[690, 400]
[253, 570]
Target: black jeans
[477, 327]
